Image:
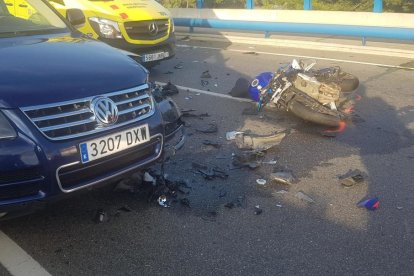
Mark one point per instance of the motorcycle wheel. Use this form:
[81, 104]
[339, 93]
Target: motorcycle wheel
[306, 113]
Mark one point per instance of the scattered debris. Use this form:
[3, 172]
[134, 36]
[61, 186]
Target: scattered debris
[231, 135]
[244, 141]
[100, 216]
[222, 193]
[351, 178]
[169, 89]
[204, 83]
[278, 205]
[257, 210]
[371, 204]
[229, 205]
[282, 192]
[188, 113]
[211, 143]
[211, 128]
[261, 181]
[179, 66]
[240, 88]
[205, 75]
[304, 197]
[168, 73]
[284, 177]
[209, 173]
[210, 216]
[216, 85]
[162, 201]
[251, 159]
[188, 98]
[149, 179]
[399, 208]
[251, 53]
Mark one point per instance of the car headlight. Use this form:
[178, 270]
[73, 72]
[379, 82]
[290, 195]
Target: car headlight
[105, 28]
[6, 129]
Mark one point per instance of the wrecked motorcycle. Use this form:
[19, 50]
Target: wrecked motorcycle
[313, 95]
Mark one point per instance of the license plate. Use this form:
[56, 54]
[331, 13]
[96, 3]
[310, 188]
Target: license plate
[156, 56]
[114, 143]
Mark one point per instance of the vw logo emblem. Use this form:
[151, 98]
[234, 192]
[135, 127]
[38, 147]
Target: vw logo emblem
[105, 110]
[153, 28]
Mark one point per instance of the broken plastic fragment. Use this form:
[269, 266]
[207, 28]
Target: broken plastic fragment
[351, 178]
[149, 179]
[304, 197]
[125, 209]
[261, 181]
[205, 75]
[231, 135]
[211, 143]
[100, 216]
[169, 89]
[282, 177]
[162, 201]
[241, 88]
[256, 142]
[371, 204]
[257, 210]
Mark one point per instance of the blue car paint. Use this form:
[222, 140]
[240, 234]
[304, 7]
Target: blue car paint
[46, 69]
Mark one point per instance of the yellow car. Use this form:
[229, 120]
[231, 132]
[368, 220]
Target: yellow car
[143, 27]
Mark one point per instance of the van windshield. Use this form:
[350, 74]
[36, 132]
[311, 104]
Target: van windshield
[28, 17]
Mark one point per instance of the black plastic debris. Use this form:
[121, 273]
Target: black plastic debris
[258, 142]
[241, 88]
[100, 216]
[168, 73]
[204, 83]
[125, 185]
[257, 210]
[251, 159]
[210, 216]
[251, 53]
[209, 173]
[285, 177]
[205, 75]
[210, 128]
[169, 89]
[229, 205]
[212, 143]
[189, 114]
[351, 178]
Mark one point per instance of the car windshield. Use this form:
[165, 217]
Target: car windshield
[28, 17]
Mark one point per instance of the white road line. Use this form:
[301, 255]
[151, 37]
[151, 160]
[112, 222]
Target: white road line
[299, 56]
[17, 261]
[215, 94]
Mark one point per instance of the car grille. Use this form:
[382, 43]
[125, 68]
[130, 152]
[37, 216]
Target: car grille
[140, 30]
[65, 120]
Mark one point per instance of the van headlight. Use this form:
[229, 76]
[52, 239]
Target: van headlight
[105, 28]
[6, 129]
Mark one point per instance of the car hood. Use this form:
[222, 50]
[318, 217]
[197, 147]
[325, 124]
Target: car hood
[38, 70]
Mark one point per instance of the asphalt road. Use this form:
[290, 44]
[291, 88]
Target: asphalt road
[291, 237]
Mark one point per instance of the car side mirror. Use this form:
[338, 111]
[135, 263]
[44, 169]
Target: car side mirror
[75, 17]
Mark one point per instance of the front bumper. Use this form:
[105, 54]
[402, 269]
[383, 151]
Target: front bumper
[144, 49]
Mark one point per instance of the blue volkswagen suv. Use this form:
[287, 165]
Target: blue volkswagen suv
[74, 112]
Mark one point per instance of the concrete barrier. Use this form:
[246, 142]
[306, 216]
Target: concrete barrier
[361, 24]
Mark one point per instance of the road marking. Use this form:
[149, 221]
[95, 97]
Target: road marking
[299, 56]
[17, 261]
[215, 94]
